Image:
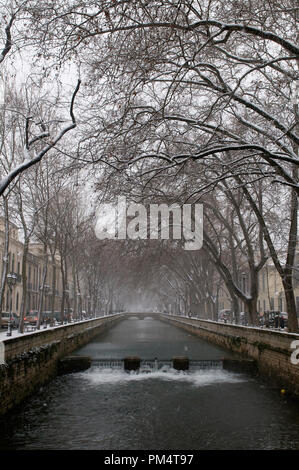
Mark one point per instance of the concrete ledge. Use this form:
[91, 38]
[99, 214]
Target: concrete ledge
[15, 345]
[271, 350]
[180, 363]
[132, 363]
[240, 365]
[31, 360]
[71, 364]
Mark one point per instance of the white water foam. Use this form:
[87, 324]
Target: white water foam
[198, 378]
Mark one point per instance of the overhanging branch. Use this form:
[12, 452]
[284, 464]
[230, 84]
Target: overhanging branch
[8, 42]
[30, 162]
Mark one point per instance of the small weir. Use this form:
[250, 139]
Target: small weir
[153, 365]
[72, 364]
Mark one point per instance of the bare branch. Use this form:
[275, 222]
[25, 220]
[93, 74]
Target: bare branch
[30, 162]
[8, 42]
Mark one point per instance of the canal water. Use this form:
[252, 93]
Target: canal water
[107, 408]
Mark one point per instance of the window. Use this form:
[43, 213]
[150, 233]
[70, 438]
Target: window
[17, 302]
[19, 267]
[13, 263]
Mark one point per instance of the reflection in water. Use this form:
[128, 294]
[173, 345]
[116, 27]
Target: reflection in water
[149, 338]
[113, 410]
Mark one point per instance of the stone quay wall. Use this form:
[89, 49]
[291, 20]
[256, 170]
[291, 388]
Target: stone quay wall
[271, 349]
[30, 360]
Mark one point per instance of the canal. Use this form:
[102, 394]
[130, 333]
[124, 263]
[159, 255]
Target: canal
[110, 409]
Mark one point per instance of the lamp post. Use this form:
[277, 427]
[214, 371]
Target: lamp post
[11, 281]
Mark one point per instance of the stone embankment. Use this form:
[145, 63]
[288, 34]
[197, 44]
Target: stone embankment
[273, 351]
[30, 360]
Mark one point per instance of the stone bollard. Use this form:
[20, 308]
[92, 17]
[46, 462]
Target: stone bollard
[71, 364]
[132, 363]
[180, 363]
[240, 365]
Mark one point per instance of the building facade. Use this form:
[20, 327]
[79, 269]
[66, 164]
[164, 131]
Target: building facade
[270, 291]
[34, 272]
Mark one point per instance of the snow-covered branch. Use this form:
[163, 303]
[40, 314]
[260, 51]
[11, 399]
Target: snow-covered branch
[30, 161]
[8, 42]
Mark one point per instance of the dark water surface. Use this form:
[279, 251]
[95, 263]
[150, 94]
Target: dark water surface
[113, 410]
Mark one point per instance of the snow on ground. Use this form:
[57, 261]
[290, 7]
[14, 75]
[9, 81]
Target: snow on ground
[15, 332]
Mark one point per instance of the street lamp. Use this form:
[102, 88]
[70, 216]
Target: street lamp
[11, 281]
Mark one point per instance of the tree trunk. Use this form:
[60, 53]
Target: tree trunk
[53, 289]
[24, 284]
[63, 289]
[75, 306]
[287, 279]
[67, 297]
[290, 304]
[251, 309]
[42, 288]
[5, 255]
[235, 304]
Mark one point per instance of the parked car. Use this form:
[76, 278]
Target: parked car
[284, 315]
[243, 318]
[275, 319]
[16, 320]
[5, 320]
[262, 319]
[31, 318]
[47, 317]
[224, 315]
[51, 317]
